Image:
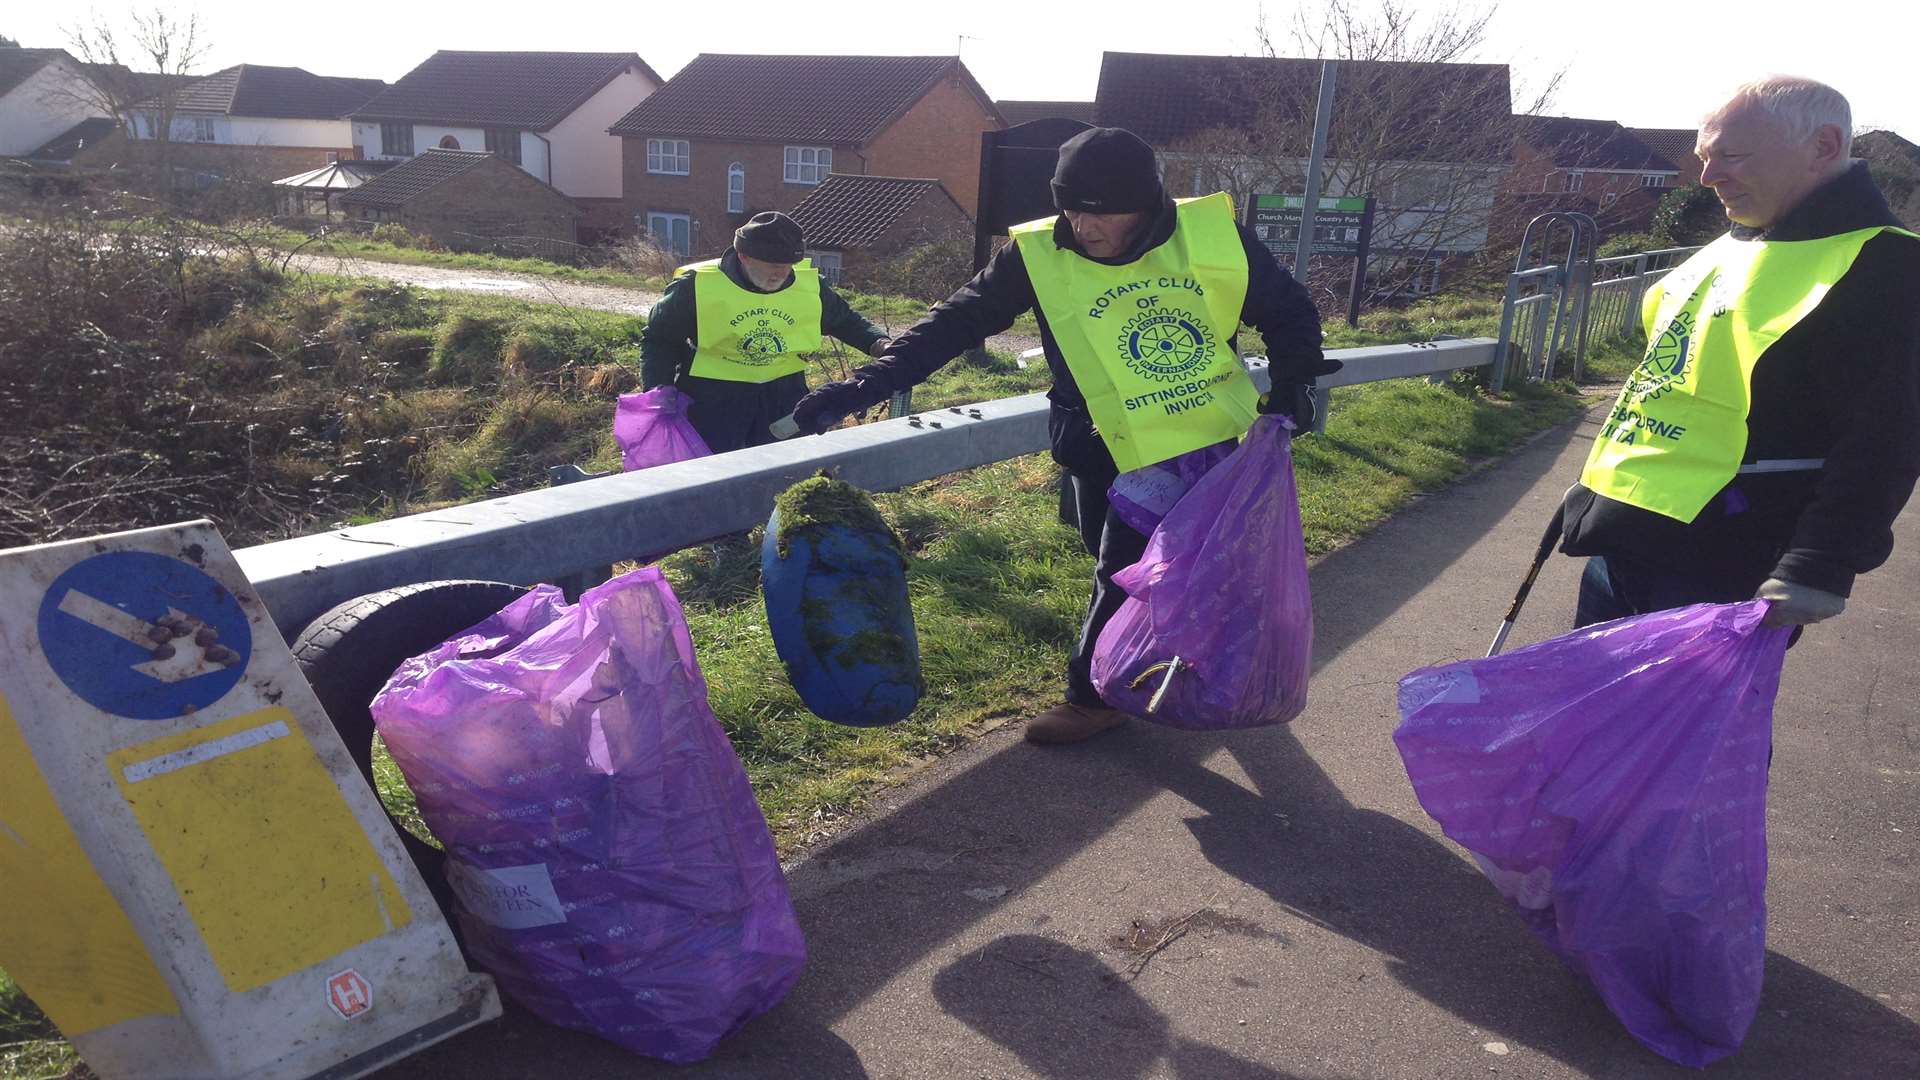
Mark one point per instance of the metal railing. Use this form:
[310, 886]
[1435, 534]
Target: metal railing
[1620, 284]
[1550, 311]
[556, 532]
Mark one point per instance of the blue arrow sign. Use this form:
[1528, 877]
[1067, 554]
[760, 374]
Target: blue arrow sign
[144, 636]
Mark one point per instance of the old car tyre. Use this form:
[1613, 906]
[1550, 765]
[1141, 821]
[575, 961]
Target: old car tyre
[349, 653]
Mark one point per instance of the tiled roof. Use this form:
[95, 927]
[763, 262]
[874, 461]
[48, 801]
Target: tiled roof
[276, 93]
[65, 145]
[1169, 99]
[848, 210]
[1019, 112]
[18, 65]
[1674, 144]
[828, 100]
[531, 90]
[407, 180]
[1592, 144]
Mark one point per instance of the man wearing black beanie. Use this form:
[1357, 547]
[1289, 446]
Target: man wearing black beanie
[731, 333]
[1139, 299]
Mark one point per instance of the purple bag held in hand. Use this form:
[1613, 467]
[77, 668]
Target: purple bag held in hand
[652, 429]
[1613, 785]
[1217, 628]
[614, 872]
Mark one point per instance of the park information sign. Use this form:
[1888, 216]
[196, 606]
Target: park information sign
[1340, 225]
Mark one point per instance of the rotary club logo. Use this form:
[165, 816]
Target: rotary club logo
[761, 345]
[1166, 344]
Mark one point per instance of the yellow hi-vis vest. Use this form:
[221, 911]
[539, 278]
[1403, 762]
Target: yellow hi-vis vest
[1678, 433]
[1147, 342]
[753, 337]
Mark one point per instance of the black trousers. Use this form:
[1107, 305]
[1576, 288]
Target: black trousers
[732, 415]
[1114, 545]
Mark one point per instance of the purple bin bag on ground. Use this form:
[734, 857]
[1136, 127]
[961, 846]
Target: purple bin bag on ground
[652, 429]
[613, 871]
[1217, 628]
[1612, 783]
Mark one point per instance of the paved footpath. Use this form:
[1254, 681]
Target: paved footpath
[990, 920]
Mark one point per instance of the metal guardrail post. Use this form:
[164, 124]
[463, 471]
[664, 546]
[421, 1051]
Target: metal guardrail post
[1503, 352]
[1538, 361]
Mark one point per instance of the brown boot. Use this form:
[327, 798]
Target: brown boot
[1070, 723]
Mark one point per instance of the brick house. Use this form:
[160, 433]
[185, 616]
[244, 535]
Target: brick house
[257, 121]
[469, 200]
[730, 136]
[546, 112]
[1675, 145]
[855, 223]
[1597, 167]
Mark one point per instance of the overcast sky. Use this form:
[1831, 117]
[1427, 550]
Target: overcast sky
[1649, 63]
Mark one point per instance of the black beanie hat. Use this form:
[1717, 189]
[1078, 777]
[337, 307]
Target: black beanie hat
[1107, 171]
[770, 236]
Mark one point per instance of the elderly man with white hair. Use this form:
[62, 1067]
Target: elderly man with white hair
[1772, 432]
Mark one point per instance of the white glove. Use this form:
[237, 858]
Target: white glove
[1798, 605]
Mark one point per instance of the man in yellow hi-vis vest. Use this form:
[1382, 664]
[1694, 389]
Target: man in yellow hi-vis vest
[1772, 432]
[1138, 300]
[732, 333]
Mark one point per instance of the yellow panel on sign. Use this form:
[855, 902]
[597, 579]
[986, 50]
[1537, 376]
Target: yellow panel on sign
[65, 939]
[271, 864]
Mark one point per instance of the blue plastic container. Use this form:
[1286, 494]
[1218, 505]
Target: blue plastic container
[838, 611]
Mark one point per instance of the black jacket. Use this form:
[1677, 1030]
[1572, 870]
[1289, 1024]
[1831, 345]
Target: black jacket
[1844, 385]
[673, 326]
[1277, 306]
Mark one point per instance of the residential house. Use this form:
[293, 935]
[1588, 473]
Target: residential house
[1428, 141]
[257, 120]
[43, 93]
[1021, 112]
[1596, 167]
[730, 136]
[1895, 164]
[1676, 146]
[469, 200]
[546, 112]
[854, 224]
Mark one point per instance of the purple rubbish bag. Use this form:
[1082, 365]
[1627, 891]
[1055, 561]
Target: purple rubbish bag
[1612, 783]
[613, 871]
[1143, 496]
[1217, 628]
[652, 429]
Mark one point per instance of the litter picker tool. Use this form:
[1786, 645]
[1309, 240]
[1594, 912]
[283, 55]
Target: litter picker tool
[1547, 540]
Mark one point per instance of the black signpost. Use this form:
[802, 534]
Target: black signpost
[1016, 174]
[1341, 227]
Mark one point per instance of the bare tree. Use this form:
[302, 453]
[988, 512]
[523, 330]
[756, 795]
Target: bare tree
[1418, 123]
[166, 48]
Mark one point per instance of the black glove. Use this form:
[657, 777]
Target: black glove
[832, 403]
[1293, 400]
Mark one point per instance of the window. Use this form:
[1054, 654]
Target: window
[448, 142]
[1575, 180]
[808, 164]
[671, 231]
[505, 142]
[396, 140]
[1653, 180]
[828, 263]
[203, 129]
[668, 156]
[736, 188]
